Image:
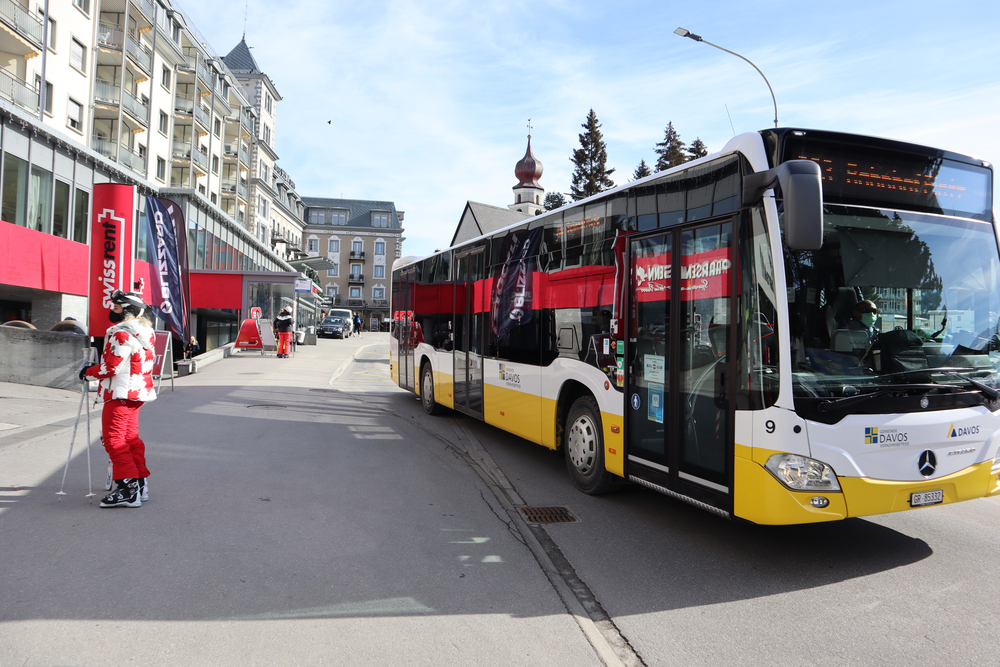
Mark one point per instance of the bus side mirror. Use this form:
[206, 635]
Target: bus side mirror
[801, 186]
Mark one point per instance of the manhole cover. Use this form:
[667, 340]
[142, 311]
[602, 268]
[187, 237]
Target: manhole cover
[548, 515]
[267, 407]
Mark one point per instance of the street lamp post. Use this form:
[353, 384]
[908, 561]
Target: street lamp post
[687, 33]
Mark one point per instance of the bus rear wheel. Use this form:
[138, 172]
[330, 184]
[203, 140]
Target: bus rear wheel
[431, 407]
[583, 442]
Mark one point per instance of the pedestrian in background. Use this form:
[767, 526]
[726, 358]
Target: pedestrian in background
[284, 324]
[192, 349]
[126, 374]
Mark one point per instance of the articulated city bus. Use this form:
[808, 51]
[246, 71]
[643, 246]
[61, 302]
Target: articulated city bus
[707, 331]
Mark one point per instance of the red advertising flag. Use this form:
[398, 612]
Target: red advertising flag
[111, 224]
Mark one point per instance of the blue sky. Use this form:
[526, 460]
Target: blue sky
[429, 101]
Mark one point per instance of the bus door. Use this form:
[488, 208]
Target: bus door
[469, 326]
[407, 332]
[679, 436]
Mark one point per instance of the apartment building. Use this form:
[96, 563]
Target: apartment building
[128, 91]
[361, 239]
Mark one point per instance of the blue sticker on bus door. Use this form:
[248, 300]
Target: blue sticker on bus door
[655, 408]
[635, 401]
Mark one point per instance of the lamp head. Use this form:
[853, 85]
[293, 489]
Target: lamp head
[687, 33]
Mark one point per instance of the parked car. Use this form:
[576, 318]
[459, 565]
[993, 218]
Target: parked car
[334, 327]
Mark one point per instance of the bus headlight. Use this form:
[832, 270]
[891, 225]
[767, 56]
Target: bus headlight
[800, 473]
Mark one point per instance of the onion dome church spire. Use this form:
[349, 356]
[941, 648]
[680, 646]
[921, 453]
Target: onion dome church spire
[528, 194]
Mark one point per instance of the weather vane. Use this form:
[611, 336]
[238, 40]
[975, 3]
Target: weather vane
[529, 127]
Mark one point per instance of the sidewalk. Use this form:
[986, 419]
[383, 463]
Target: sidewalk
[290, 522]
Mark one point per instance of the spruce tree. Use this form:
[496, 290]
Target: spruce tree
[670, 150]
[697, 149]
[641, 171]
[591, 174]
[553, 200]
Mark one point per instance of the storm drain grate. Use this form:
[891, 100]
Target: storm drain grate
[548, 515]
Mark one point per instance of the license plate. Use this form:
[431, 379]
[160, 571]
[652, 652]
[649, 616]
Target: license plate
[927, 498]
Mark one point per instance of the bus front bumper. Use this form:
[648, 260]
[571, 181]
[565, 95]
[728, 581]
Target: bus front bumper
[761, 498]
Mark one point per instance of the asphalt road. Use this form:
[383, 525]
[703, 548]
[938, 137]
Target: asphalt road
[306, 511]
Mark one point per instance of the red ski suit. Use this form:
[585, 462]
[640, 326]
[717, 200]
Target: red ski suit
[126, 375]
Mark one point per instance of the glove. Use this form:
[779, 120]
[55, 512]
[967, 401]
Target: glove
[83, 371]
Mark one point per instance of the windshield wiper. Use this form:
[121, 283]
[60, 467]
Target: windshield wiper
[834, 403]
[957, 371]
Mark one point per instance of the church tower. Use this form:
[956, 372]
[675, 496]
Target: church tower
[528, 194]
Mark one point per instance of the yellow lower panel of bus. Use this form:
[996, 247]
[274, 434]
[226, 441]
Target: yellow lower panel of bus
[394, 371]
[761, 498]
[444, 389]
[875, 496]
[514, 411]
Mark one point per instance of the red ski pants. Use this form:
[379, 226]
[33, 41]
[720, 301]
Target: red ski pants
[120, 427]
[284, 341]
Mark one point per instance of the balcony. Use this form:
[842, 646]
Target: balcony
[108, 149]
[204, 117]
[380, 303]
[140, 54]
[356, 279]
[184, 105]
[146, 7]
[229, 186]
[136, 108]
[244, 155]
[18, 92]
[201, 159]
[358, 254]
[358, 303]
[181, 150]
[190, 59]
[107, 92]
[22, 21]
[109, 35]
[133, 161]
[204, 73]
[243, 190]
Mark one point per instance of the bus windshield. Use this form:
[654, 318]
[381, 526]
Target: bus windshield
[893, 298]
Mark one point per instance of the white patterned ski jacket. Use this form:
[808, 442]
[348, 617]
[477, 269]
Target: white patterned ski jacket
[126, 368]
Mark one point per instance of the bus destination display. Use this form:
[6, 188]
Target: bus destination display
[862, 175]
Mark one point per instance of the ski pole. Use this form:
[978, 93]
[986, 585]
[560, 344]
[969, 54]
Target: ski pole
[83, 399]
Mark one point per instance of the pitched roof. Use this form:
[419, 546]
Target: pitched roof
[240, 58]
[358, 210]
[484, 220]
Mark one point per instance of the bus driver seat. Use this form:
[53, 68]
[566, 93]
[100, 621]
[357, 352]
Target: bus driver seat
[838, 312]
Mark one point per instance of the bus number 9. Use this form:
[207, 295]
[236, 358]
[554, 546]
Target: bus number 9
[769, 425]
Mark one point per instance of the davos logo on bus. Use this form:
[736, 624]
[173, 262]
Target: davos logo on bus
[962, 431]
[509, 378]
[886, 437]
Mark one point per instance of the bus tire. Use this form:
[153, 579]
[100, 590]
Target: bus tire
[583, 442]
[431, 407]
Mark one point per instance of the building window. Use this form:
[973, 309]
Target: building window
[331, 290]
[355, 292]
[215, 164]
[48, 92]
[161, 168]
[218, 127]
[379, 271]
[334, 245]
[81, 213]
[263, 171]
[356, 270]
[338, 217]
[164, 122]
[83, 5]
[52, 30]
[357, 246]
[334, 272]
[74, 114]
[214, 199]
[268, 102]
[262, 206]
[380, 219]
[77, 55]
[165, 78]
[313, 245]
[378, 293]
[266, 133]
[380, 247]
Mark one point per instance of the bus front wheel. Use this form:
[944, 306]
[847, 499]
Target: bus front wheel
[584, 446]
[431, 407]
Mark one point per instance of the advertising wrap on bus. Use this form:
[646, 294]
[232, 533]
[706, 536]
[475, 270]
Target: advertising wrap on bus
[703, 276]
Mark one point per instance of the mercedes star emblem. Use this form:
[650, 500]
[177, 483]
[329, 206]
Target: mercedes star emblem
[927, 463]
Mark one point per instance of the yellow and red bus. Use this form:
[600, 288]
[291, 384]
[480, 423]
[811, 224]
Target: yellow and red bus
[802, 327]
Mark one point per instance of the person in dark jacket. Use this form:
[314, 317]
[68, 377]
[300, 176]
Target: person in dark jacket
[284, 324]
